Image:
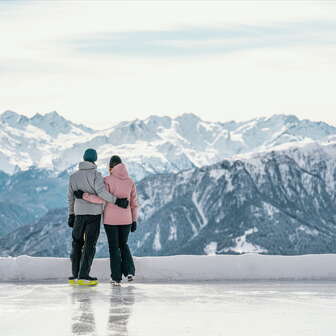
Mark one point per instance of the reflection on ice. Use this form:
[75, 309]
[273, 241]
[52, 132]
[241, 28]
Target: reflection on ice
[83, 319]
[120, 311]
[120, 308]
[218, 308]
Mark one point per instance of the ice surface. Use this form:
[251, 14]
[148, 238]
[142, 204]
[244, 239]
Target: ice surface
[183, 268]
[198, 309]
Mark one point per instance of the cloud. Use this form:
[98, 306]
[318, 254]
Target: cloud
[196, 41]
[100, 62]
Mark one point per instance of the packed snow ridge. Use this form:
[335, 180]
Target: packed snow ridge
[183, 268]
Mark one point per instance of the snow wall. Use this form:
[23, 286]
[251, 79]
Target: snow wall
[183, 268]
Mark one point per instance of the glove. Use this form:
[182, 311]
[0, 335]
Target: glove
[134, 227]
[79, 194]
[71, 220]
[122, 202]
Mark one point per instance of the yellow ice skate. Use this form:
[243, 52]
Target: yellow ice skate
[72, 281]
[89, 281]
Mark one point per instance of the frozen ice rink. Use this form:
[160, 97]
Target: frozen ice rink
[208, 308]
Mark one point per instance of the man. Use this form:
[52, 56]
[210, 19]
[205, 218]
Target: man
[85, 217]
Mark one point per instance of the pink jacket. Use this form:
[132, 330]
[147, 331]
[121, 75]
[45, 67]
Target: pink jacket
[122, 186]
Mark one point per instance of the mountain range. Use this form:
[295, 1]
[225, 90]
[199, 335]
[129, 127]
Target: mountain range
[155, 145]
[274, 202]
[265, 185]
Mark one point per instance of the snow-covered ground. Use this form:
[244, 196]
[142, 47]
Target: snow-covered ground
[183, 268]
[197, 309]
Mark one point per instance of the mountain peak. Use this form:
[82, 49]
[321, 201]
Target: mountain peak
[52, 123]
[48, 116]
[8, 114]
[189, 117]
[287, 118]
[13, 119]
[53, 114]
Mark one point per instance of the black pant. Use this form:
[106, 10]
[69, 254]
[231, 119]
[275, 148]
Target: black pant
[121, 260]
[85, 234]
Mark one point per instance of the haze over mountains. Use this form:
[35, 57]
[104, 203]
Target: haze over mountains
[267, 185]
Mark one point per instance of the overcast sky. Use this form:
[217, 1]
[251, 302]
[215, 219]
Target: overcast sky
[99, 62]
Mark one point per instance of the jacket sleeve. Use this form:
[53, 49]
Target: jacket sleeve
[134, 203]
[101, 190]
[93, 198]
[71, 199]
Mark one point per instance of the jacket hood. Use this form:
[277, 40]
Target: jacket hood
[120, 171]
[87, 165]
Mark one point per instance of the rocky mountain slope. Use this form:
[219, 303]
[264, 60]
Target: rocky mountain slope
[50, 236]
[276, 202]
[154, 145]
[35, 190]
[13, 216]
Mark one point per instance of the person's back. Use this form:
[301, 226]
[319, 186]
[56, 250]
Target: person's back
[122, 186]
[118, 223]
[85, 217]
[85, 178]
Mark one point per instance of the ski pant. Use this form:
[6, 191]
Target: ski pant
[85, 234]
[121, 260]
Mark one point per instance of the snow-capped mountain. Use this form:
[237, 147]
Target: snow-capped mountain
[35, 141]
[52, 123]
[278, 202]
[275, 202]
[154, 145]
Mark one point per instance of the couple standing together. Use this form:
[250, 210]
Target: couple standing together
[89, 196]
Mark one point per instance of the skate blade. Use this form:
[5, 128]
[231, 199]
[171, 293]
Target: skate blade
[72, 282]
[87, 283]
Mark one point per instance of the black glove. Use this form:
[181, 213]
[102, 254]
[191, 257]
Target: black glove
[134, 226]
[122, 202]
[71, 220]
[79, 194]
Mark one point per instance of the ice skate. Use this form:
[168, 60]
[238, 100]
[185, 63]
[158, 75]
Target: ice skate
[87, 281]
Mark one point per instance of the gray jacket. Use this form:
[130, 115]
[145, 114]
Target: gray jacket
[88, 179]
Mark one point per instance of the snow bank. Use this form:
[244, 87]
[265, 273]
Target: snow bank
[185, 268]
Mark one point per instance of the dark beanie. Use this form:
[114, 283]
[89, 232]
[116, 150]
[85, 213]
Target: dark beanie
[115, 159]
[90, 155]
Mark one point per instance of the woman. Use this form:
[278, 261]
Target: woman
[118, 222]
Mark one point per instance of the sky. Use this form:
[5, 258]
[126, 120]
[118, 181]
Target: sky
[100, 62]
